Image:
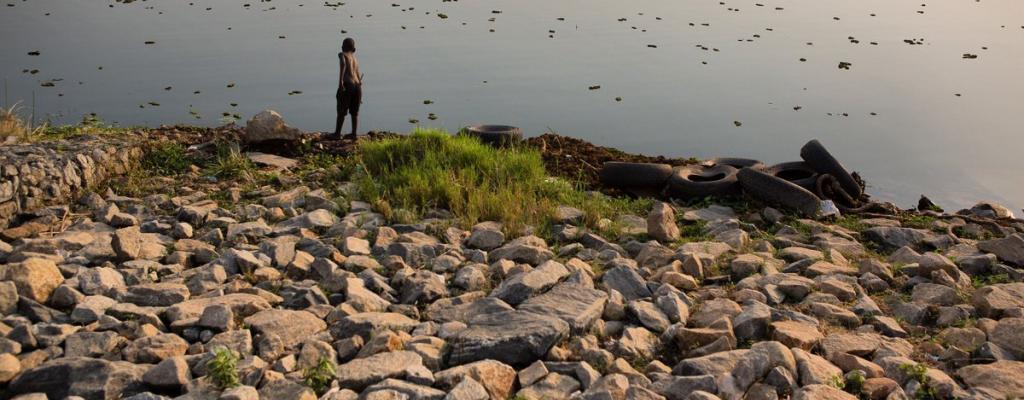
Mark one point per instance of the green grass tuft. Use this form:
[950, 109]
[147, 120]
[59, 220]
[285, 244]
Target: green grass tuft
[320, 376]
[166, 158]
[224, 368]
[230, 163]
[405, 176]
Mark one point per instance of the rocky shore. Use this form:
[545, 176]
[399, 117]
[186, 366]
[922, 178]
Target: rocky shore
[302, 290]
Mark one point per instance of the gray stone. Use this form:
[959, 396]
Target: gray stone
[447, 311]
[156, 294]
[528, 249]
[496, 377]
[91, 308]
[89, 378]
[552, 386]
[1009, 334]
[930, 293]
[291, 326]
[576, 305]
[512, 337]
[171, 373]
[286, 389]
[269, 125]
[35, 278]
[821, 392]
[1006, 378]
[485, 239]
[892, 238]
[468, 389]
[627, 282]
[518, 288]
[240, 393]
[364, 324]
[153, 349]
[649, 315]
[99, 280]
[92, 344]
[993, 301]
[679, 387]
[242, 304]
[8, 298]
[661, 223]
[360, 373]
[1009, 249]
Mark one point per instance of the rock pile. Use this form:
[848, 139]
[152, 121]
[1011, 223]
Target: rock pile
[41, 174]
[191, 298]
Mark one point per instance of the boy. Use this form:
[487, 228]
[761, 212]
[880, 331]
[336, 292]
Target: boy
[350, 88]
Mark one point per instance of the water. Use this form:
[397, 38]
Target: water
[923, 139]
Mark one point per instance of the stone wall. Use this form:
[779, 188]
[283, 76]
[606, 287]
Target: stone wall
[36, 175]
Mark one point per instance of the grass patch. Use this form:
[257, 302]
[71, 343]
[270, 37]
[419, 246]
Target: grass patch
[852, 223]
[230, 163]
[224, 368]
[12, 125]
[980, 281]
[320, 376]
[693, 232]
[166, 158]
[918, 221]
[405, 176]
[919, 373]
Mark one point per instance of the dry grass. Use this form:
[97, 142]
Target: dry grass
[11, 125]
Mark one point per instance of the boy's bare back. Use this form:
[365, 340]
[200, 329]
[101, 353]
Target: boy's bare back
[350, 69]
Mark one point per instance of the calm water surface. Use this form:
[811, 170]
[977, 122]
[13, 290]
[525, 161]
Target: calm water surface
[912, 118]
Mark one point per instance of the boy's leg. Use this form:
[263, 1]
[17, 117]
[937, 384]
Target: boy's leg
[354, 99]
[340, 119]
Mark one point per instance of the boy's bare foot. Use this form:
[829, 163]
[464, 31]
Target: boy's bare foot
[351, 137]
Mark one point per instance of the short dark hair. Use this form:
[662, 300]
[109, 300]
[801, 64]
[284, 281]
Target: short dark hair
[348, 44]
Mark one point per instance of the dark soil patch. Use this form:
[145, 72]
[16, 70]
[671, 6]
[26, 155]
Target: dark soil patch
[579, 160]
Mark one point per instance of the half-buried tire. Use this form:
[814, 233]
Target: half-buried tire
[495, 135]
[822, 161]
[797, 172]
[737, 163]
[699, 181]
[778, 191]
[638, 177]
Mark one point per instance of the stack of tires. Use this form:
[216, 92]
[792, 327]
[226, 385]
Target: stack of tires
[792, 185]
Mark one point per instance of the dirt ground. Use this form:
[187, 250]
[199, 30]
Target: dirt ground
[581, 160]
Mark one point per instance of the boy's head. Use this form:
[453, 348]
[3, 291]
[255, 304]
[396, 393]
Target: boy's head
[349, 45]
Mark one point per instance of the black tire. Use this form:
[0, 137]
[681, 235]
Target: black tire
[797, 172]
[737, 163]
[778, 191]
[821, 160]
[645, 177]
[495, 135]
[699, 181]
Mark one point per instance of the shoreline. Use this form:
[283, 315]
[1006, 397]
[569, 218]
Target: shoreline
[435, 265]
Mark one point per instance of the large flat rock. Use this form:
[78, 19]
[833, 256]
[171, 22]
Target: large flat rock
[292, 327]
[362, 372]
[512, 337]
[577, 305]
[242, 304]
[89, 378]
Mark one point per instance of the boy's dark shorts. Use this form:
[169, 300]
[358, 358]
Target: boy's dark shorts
[349, 99]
